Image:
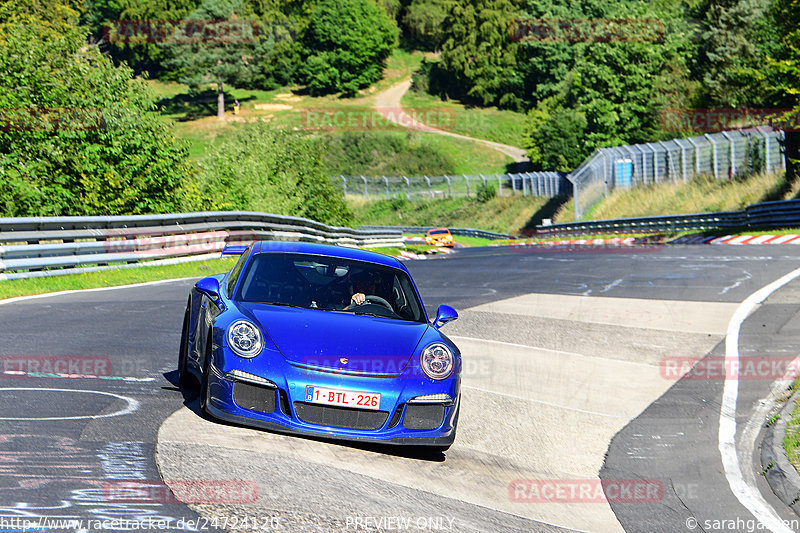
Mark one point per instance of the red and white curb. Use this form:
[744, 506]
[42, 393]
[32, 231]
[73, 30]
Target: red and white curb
[405, 255]
[757, 239]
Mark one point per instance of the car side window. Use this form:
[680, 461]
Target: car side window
[233, 275]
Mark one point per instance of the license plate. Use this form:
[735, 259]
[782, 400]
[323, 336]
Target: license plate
[343, 398]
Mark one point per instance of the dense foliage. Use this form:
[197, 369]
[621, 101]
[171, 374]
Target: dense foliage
[256, 168]
[77, 135]
[346, 44]
[352, 153]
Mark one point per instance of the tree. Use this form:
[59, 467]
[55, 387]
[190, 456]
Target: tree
[478, 55]
[734, 49]
[555, 136]
[346, 44]
[783, 70]
[258, 168]
[423, 21]
[77, 136]
[214, 44]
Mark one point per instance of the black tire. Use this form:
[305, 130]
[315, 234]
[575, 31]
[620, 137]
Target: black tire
[186, 380]
[204, 382]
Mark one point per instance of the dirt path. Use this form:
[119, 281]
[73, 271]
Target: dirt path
[387, 103]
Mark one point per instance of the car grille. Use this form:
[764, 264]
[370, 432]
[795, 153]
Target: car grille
[423, 416]
[254, 397]
[340, 417]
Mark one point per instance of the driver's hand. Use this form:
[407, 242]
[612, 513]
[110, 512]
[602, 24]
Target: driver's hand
[358, 298]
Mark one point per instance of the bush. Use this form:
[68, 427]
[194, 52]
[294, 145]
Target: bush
[485, 192]
[256, 168]
[377, 153]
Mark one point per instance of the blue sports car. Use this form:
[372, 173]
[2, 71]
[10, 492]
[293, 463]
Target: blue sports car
[322, 340]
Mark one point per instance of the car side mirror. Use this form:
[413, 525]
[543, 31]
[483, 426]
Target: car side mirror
[444, 314]
[209, 287]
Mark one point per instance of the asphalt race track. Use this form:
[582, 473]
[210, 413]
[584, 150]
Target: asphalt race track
[574, 416]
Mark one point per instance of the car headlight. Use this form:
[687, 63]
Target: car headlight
[437, 361]
[245, 339]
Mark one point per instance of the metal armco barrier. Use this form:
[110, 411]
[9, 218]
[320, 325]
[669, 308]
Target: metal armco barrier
[464, 232]
[766, 215]
[37, 246]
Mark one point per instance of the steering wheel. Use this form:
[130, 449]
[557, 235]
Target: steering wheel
[372, 299]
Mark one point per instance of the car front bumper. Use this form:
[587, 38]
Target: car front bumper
[283, 408]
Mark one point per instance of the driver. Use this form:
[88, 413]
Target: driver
[364, 283]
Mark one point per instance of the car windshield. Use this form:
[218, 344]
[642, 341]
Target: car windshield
[438, 232]
[329, 284]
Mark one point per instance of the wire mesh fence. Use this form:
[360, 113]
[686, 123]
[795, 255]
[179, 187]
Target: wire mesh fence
[546, 184]
[722, 155]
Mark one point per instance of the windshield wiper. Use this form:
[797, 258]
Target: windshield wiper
[281, 304]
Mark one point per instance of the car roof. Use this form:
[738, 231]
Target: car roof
[327, 250]
[439, 229]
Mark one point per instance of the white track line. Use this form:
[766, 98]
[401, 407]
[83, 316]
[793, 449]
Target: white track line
[571, 354]
[746, 493]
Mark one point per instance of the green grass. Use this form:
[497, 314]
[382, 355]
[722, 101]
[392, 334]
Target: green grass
[196, 122]
[791, 441]
[501, 215]
[482, 123]
[702, 195]
[113, 277]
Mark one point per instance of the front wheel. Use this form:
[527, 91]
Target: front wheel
[204, 377]
[185, 379]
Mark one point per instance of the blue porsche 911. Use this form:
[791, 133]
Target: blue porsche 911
[322, 340]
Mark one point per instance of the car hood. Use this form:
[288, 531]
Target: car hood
[325, 339]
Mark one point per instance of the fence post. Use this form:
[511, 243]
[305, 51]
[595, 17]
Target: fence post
[655, 162]
[345, 185]
[499, 185]
[449, 191]
[408, 188]
[714, 149]
[766, 148]
[696, 156]
[683, 159]
[732, 153]
[605, 171]
[430, 192]
[782, 137]
[386, 180]
[366, 190]
[524, 185]
[483, 178]
[467, 179]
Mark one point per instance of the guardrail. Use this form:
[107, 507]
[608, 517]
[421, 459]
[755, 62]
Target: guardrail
[464, 232]
[766, 215]
[47, 246]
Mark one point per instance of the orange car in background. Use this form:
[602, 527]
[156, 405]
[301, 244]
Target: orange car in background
[439, 237]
